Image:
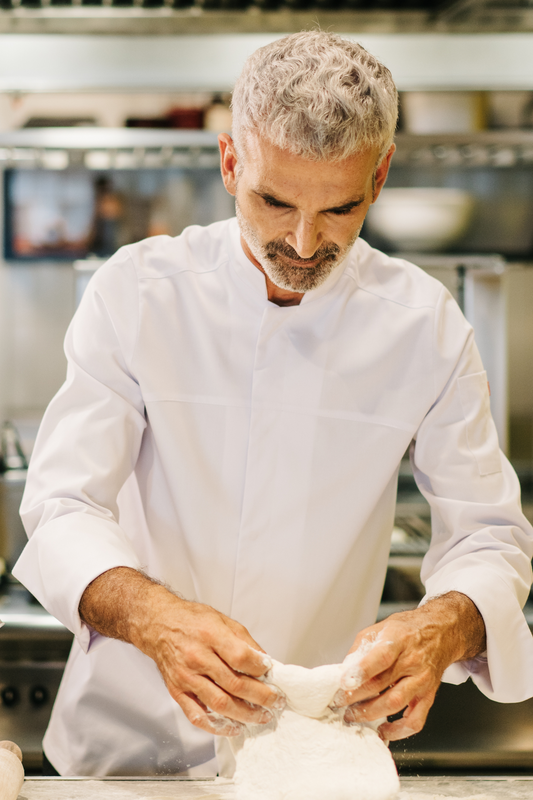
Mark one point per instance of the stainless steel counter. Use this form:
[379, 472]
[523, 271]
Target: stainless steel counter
[511, 788]
[182, 789]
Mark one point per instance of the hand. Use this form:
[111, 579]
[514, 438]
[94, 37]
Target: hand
[397, 665]
[209, 662]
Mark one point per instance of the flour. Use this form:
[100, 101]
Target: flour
[308, 752]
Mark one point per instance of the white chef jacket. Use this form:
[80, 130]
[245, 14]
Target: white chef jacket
[247, 455]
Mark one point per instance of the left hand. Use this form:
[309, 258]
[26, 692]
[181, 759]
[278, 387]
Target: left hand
[401, 661]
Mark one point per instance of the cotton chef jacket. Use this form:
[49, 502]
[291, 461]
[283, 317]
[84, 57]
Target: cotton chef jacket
[247, 455]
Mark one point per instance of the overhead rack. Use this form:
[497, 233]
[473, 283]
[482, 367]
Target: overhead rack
[108, 148]
[262, 16]
[123, 148]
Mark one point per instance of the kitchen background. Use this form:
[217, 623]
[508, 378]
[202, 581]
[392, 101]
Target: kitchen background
[108, 119]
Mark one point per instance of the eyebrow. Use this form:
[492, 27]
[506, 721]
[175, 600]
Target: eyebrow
[267, 195]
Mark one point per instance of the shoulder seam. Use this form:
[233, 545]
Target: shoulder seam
[392, 299]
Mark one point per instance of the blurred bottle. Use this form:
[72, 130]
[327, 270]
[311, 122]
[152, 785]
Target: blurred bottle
[11, 453]
[217, 116]
[108, 213]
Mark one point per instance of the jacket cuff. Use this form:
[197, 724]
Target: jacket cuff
[503, 679]
[63, 557]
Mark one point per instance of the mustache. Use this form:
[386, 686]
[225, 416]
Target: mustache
[325, 253]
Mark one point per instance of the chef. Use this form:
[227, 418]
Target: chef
[217, 477]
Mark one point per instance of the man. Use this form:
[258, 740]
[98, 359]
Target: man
[217, 477]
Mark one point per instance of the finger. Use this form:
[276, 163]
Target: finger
[368, 690]
[239, 685]
[366, 675]
[226, 705]
[242, 633]
[412, 722]
[242, 653]
[387, 703]
[197, 713]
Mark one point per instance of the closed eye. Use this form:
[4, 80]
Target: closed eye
[342, 211]
[270, 201]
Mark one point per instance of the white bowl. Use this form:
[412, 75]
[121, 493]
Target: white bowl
[420, 219]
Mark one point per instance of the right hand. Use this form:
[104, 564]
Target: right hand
[210, 664]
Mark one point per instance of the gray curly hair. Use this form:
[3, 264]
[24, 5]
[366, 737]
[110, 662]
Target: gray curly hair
[317, 95]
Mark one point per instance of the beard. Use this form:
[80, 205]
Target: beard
[295, 277]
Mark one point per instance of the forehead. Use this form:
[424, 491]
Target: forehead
[269, 168]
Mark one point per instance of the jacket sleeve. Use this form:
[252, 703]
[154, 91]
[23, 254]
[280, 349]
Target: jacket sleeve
[481, 544]
[85, 451]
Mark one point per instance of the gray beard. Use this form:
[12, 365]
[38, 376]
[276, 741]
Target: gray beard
[288, 276]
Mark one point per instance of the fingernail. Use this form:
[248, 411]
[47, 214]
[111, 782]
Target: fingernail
[341, 698]
[354, 714]
[348, 716]
[267, 661]
[279, 703]
[352, 680]
[265, 717]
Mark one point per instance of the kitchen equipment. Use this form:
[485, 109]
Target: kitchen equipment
[443, 112]
[12, 534]
[11, 453]
[33, 651]
[11, 771]
[420, 219]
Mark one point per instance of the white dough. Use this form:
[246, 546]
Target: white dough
[308, 691]
[308, 752]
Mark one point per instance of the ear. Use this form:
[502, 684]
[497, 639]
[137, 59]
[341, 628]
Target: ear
[228, 162]
[382, 171]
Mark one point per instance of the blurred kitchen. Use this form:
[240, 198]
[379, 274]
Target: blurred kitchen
[109, 111]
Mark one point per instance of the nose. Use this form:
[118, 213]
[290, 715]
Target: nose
[305, 238]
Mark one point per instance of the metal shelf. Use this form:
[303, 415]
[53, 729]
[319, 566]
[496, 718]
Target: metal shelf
[166, 17]
[500, 149]
[108, 148]
[132, 147]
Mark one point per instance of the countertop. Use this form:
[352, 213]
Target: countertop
[428, 788]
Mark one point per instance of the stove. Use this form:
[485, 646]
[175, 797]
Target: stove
[33, 651]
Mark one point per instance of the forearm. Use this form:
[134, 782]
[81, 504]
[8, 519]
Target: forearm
[119, 604]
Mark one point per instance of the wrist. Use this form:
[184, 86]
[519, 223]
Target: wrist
[462, 623]
[156, 605]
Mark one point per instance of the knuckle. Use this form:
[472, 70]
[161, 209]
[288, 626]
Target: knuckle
[411, 727]
[266, 697]
[384, 658]
[396, 700]
[374, 685]
[180, 677]
[238, 628]
[219, 703]
[193, 659]
[241, 660]
[235, 685]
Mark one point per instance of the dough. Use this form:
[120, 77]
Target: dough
[308, 752]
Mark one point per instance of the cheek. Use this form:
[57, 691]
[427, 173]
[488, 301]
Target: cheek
[267, 224]
[345, 229]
